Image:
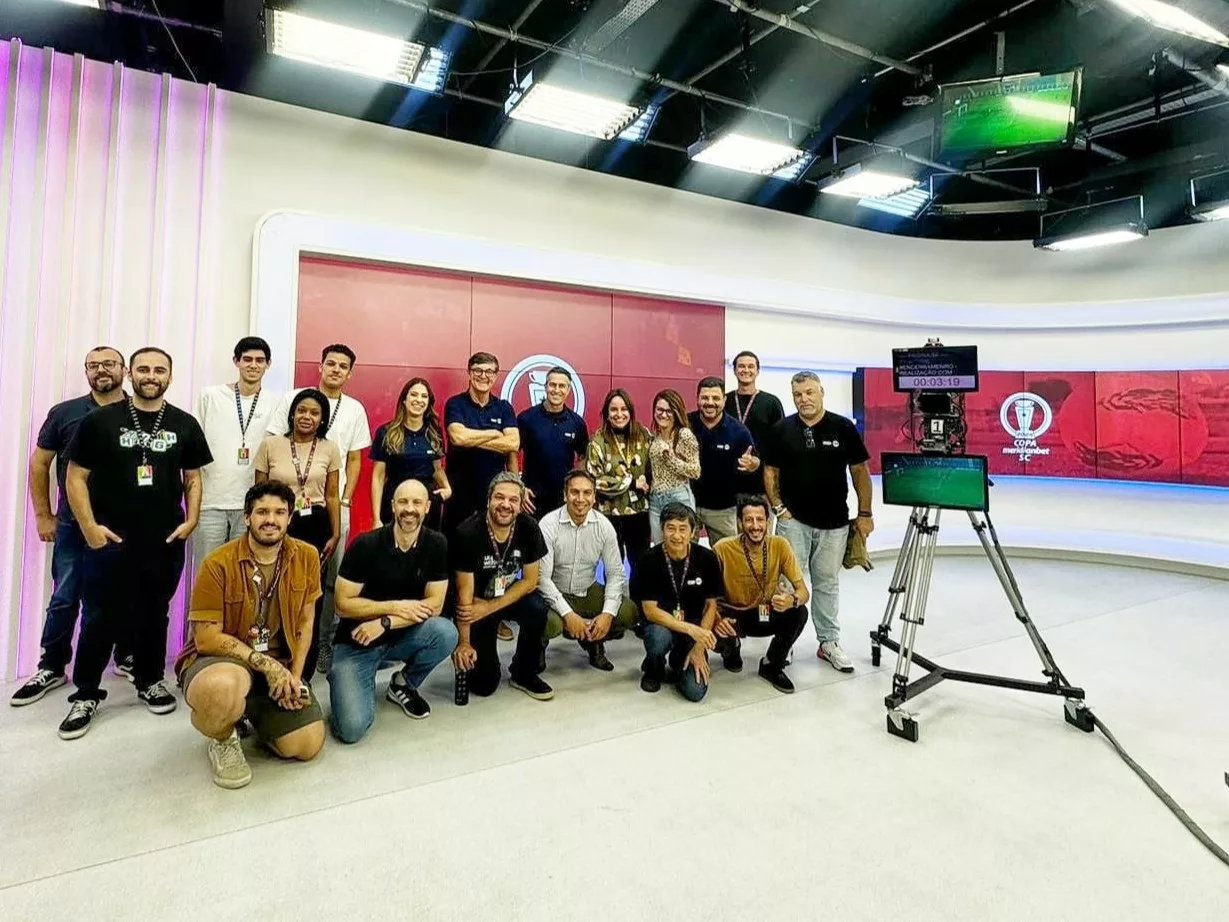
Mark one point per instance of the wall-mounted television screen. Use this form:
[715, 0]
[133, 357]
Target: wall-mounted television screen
[1008, 114]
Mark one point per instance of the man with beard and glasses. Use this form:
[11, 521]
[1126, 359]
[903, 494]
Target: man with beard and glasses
[234, 418]
[251, 618]
[135, 466]
[727, 455]
[763, 596]
[390, 592]
[497, 559]
[104, 372]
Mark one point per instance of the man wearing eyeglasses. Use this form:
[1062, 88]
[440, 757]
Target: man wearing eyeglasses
[805, 461]
[104, 371]
[483, 440]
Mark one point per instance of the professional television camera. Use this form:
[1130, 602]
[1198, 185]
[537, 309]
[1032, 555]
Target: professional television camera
[936, 378]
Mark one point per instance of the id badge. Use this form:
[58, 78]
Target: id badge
[500, 585]
[245, 456]
[260, 639]
[678, 614]
[764, 616]
[145, 475]
[301, 505]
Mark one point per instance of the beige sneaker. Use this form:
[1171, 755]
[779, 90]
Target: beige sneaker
[230, 766]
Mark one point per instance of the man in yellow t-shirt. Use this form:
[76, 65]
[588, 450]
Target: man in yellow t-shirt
[763, 593]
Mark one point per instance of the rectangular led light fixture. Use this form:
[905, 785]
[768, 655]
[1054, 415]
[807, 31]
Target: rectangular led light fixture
[303, 38]
[95, 4]
[638, 131]
[569, 110]
[1216, 212]
[1174, 19]
[904, 204]
[1088, 240]
[865, 181]
[747, 154]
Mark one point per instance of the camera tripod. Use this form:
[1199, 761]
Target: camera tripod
[908, 594]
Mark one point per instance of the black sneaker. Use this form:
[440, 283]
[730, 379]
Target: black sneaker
[406, 698]
[36, 687]
[597, 656]
[732, 654]
[123, 666]
[650, 683]
[534, 687]
[157, 698]
[776, 678]
[78, 721]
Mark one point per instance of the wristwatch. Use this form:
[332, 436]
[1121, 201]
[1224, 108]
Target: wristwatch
[865, 515]
[386, 622]
[778, 508]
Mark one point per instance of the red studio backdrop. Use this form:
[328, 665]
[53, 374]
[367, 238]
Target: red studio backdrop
[1160, 426]
[404, 322]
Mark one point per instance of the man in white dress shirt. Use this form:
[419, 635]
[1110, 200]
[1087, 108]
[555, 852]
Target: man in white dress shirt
[351, 432]
[577, 537]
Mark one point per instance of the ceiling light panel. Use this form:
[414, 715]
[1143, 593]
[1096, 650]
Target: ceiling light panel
[357, 51]
[747, 154]
[569, 110]
[1174, 19]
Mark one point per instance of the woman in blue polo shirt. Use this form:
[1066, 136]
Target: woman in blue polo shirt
[409, 447]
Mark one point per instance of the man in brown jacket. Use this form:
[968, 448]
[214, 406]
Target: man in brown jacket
[251, 617]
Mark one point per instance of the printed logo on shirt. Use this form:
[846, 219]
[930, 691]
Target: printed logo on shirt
[159, 441]
[695, 582]
[830, 443]
[528, 377]
[722, 447]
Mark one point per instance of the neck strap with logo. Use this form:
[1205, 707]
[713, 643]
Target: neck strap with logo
[761, 578]
[336, 412]
[300, 474]
[501, 556]
[743, 413]
[244, 423]
[677, 584]
[143, 437]
[264, 594]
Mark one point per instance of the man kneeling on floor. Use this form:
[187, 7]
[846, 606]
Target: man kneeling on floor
[764, 595]
[252, 613]
[577, 538]
[390, 592]
[677, 584]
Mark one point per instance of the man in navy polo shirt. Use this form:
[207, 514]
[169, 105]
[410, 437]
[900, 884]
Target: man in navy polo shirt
[482, 440]
[553, 437]
[104, 371]
[727, 454]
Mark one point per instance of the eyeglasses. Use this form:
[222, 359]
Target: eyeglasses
[109, 365]
[664, 411]
[810, 438]
[484, 372]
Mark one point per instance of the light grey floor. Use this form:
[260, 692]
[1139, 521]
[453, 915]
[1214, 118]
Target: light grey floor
[610, 804]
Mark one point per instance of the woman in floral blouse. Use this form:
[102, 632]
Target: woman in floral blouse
[674, 458]
[618, 459]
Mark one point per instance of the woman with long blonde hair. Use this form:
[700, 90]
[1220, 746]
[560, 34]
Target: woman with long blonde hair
[410, 446]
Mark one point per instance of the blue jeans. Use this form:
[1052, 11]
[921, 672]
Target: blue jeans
[821, 552]
[660, 500]
[214, 528]
[352, 678]
[660, 642]
[67, 556]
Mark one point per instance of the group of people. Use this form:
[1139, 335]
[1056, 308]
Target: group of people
[483, 522]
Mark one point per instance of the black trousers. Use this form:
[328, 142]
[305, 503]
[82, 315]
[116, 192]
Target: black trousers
[316, 530]
[127, 590]
[530, 614]
[784, 627]
[634, 535]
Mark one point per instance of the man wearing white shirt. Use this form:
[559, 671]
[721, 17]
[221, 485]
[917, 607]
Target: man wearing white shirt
[234, 418]
[577, 537]
[351, 432]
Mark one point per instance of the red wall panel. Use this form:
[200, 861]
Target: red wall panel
[518, 319]
[654, 338]
[1204, 401]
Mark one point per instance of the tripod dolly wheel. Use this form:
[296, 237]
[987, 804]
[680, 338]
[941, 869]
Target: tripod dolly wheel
[1077, 714]
[902, 725]
[875, 650]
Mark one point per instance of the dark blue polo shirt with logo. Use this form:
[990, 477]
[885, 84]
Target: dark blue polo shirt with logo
[720, 449]
[470, 470]
[551, 443]
[57, 434]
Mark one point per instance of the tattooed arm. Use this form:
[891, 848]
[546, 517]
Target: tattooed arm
[211, 641]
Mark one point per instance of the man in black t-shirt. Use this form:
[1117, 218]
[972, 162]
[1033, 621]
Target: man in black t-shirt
[677, 584]
[496, 557]
[806, 459]
[390, 592]
[758, 410]
[133, 466]
[104, 370]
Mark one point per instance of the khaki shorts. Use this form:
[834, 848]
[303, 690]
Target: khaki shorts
[268, 720]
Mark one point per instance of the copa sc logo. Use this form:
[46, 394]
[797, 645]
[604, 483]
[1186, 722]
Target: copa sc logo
[1026, 417]
[528, 378]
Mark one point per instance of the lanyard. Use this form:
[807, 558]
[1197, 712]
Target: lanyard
[243, 424]
[761, 579]
[265, 596]
[144, 438]
[501, 556]
[743, 414]
[334, 414]
[298, 471]
[677, 584]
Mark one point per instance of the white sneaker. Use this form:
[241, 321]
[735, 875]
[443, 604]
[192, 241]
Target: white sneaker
[831, 651]
[229, 764]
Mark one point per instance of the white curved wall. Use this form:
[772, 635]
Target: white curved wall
[87, 269]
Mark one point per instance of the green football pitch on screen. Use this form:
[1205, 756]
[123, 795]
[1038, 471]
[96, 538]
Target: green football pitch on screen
[949, 482]
[1007, 114]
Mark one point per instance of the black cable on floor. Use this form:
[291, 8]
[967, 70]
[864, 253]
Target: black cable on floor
[1194, 828]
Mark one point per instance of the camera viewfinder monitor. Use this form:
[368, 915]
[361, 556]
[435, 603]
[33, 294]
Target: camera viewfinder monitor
[1004, 115]
[935, 368]
[945, 481]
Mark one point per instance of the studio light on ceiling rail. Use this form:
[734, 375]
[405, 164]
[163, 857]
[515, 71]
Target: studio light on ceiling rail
[1173, 18]
[1210, 197]
[878, 178]
[1091, 226]
[94, 4]
[555, 106]
[905, 204]
[749, 154]
[357, 51]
